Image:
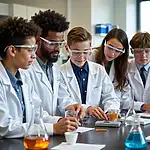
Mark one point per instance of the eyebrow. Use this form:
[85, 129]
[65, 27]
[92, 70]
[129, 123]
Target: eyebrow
[82, 50]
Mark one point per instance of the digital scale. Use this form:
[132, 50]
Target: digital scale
[105, 123]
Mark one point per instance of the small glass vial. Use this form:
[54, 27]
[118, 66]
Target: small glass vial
[36, 137]
[136, 138]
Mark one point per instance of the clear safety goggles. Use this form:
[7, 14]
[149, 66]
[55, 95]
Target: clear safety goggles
[31, 48]
[80, 52]
[140, 50]
[53, 44]
[114, 48]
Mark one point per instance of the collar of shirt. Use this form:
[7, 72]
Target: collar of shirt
[85, 67]
[43, 64]
[147, 66]
[15, 80]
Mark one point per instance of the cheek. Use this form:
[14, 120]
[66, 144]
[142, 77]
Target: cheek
[117, 55]
[148, 57]
[85, 57]
[105, 52]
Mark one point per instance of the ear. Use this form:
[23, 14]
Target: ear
[67, 48]
[38, 42]
[11, 50]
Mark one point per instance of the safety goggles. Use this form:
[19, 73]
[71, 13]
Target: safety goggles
[53, 44]
[140, 50]
[31, 48]
[119, 50]
[79, 52]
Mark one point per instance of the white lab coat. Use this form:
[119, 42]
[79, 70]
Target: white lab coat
[42, 86]
[141, 94]
[125, 95]
[99, 89]
[11, 122]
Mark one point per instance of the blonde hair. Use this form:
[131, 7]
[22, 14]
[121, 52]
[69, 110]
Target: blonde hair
[78, 34]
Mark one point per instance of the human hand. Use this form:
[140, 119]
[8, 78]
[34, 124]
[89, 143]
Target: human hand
[78, 108]
[146, 107]
[97, 112]
[66, 124]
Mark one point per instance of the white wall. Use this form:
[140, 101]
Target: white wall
[57, 5]
[86, 13]
[131, 18]
[79, 13]
[4, 10]
[102, 12]
[120, 13]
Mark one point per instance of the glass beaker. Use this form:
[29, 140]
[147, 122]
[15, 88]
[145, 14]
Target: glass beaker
[36, 137]
[113, 114]
[136, 138]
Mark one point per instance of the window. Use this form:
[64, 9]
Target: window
[143, 11]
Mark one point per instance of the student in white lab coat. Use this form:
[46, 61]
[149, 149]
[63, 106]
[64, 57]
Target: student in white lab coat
[113, 55]
[17, 50]
[139, 70]
[87, 82]
[45, 72]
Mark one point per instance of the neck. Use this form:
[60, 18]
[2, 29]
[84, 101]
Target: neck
[41, 57]
[105, 62]
[9, 65]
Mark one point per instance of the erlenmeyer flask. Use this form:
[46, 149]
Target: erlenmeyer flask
[36, 137]
[136, 137]
[131, 110]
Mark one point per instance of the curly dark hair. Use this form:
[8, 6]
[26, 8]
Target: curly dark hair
[14, 31]
[50, 20]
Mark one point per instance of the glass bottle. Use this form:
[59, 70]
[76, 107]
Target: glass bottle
[136, 137]
[36, 137]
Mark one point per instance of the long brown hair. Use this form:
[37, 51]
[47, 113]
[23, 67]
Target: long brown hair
[121, 62]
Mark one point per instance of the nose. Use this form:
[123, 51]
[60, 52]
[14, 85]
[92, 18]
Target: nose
[33, 55]
[143, 53]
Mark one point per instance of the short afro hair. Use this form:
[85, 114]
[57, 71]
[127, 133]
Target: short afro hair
[14, 31]
[50, 20]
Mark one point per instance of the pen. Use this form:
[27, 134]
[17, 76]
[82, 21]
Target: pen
[79, 124]
[101, 130]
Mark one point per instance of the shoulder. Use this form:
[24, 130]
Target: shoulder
[131, 64]
[66, 65]
[95, 66]
[93, 55]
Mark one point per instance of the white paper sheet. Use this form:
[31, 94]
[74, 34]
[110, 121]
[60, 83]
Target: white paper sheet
[143, 121]
[148, 138]
[78, 146]
[145, 115]
[83, 129]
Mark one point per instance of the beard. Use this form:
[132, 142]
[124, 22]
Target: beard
[49, 55]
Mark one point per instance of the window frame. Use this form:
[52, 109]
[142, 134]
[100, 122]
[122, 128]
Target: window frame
[138, 12]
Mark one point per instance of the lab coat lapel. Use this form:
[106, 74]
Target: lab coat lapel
[27, 100]
[91, 79]
[42, 75]
[73, 81]
[136, 74]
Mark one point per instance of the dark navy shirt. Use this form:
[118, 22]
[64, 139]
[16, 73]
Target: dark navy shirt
[82, 78]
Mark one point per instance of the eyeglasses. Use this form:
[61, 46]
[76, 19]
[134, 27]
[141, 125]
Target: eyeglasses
[117, 50]
[53, 44]
[79, 52]
[31, 48]
[139, 51]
